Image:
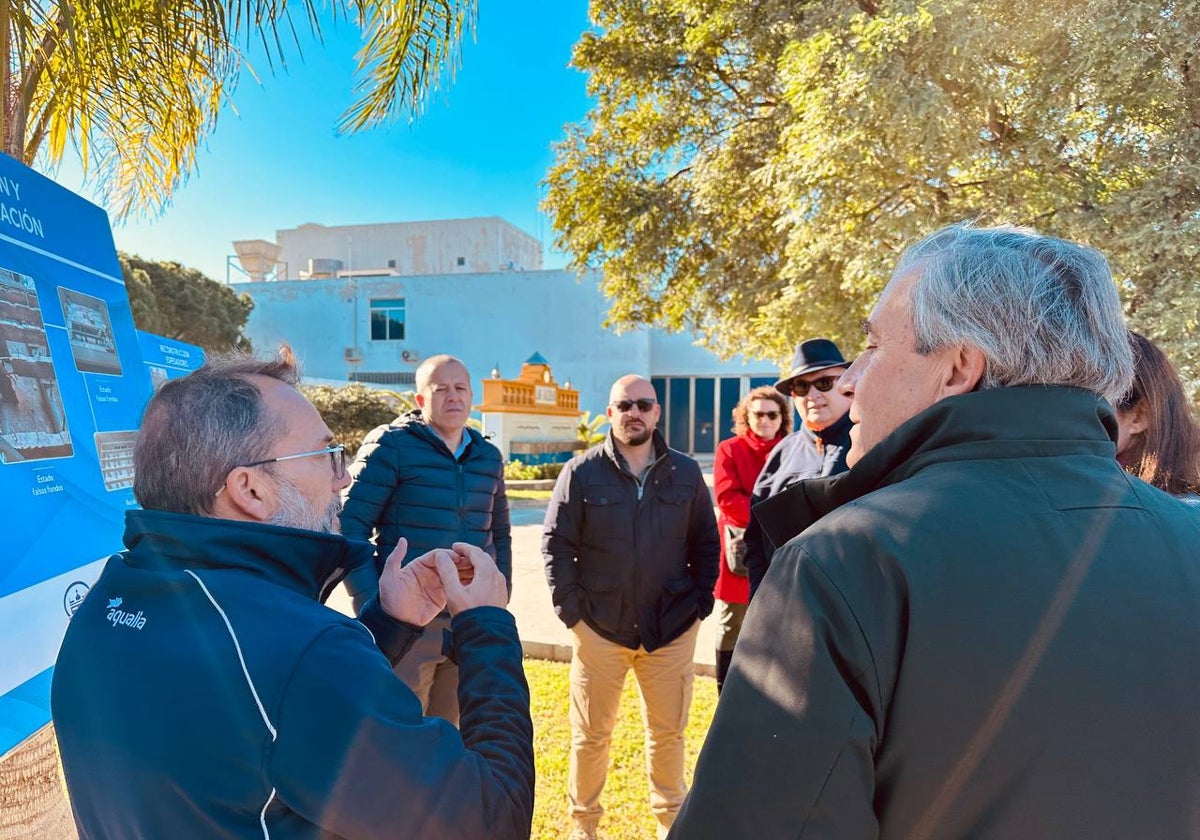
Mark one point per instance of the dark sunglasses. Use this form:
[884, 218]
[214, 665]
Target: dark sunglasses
[643, 405]
[799, 389]
[770, 415]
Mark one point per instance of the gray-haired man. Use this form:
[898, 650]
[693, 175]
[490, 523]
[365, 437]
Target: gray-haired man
[988, 629]
[203, 691]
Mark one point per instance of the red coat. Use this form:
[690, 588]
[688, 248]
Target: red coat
[737, 464]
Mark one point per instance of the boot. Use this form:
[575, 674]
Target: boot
[724, 658]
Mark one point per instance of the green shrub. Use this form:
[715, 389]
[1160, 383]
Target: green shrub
[514, 470]
[550, 471]
[353, 410]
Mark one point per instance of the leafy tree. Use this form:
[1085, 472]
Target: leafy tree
[352, 411]
[751, 169]
[136, 85]
[181, 303]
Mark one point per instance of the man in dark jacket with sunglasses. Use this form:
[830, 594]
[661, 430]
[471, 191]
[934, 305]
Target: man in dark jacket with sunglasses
[631, 552]
[817, 448]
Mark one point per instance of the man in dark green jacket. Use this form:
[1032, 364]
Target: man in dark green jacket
[986, 628]
[202, 689]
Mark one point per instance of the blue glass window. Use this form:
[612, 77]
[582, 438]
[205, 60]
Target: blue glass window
[387, 319]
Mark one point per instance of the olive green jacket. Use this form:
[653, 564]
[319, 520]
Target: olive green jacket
[990, 631]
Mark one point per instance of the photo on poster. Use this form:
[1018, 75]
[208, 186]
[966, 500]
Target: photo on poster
[115, 450]
[33, 423]
[158, 377]
[90, 332]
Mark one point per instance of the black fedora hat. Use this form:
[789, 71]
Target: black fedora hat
[812, 355]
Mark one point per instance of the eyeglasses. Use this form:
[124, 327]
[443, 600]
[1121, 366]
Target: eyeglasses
[799, 389]
[770, 415]
[335, 451]
[643, 405]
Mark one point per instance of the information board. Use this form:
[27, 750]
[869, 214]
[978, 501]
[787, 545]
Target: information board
[74, 378]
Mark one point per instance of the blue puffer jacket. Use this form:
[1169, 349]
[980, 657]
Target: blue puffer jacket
[407, 483]
[202, 691]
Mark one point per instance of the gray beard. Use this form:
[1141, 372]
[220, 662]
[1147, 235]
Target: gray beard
[294, 511]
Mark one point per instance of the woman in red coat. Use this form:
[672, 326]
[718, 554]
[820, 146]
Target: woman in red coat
[760, 420]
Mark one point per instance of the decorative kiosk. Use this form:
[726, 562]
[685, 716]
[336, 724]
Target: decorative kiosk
[531, 418]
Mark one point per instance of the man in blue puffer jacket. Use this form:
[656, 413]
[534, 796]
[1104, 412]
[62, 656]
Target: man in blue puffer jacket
[429, 479]
[202, 689]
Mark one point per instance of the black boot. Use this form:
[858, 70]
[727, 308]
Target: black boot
[724, 657]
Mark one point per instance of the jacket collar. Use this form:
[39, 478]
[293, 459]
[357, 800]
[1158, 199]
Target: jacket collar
[834, 432]
[610, 449]
[415, 423]
[760, 445]
[1025, 421]
[307, 562]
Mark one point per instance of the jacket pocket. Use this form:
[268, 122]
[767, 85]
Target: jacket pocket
[602, 512]
[676, 609]
[602, 598]
[674, 510]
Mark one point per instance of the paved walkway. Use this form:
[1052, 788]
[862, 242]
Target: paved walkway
[543, 636]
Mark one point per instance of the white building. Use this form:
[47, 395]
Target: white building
[375, 326]
[449, 246]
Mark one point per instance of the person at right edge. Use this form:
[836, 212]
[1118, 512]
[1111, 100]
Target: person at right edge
[817, 448]
[986, 628]
[1158, 438]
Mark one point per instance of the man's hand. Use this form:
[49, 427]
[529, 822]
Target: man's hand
[413, 593]
[470, 579]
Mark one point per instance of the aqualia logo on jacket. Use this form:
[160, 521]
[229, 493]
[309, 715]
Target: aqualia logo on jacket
[123, 618]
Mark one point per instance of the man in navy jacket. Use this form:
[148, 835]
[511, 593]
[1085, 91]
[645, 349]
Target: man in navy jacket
[431, 480]
[202, 689]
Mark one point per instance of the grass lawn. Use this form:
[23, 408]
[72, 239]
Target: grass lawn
[626, 793]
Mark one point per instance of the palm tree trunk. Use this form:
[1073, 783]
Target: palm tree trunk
[33, 800]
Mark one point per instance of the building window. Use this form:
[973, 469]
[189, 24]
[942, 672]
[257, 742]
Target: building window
[387, 320]
[462, 261]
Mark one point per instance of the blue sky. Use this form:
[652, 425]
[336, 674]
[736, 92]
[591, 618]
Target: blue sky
[480, 148]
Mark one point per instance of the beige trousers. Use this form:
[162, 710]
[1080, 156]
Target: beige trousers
[431, 676]
[664, 679]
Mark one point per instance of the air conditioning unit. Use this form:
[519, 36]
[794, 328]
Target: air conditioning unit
[352, 355]
[410, 355]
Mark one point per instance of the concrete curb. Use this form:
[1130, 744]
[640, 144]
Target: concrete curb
[529, 484]
[551, 652]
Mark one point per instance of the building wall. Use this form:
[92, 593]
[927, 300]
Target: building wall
[483, 244]
[501, 318]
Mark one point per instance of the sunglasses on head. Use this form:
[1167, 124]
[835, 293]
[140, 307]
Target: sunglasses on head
[799, 389]
[643, 405]
[770, 415]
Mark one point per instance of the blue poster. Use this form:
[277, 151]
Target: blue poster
[74, 377]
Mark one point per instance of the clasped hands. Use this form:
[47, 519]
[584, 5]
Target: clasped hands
[460, 577]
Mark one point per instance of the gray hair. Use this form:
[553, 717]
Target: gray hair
[430, 365]
[1044, 311]
[197, 428]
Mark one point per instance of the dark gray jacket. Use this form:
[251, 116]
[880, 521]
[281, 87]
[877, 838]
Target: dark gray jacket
[990, 632]
[407, 483]
[636, 562]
